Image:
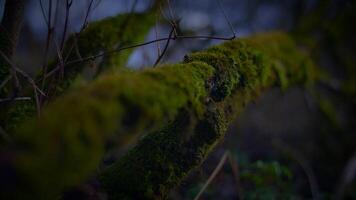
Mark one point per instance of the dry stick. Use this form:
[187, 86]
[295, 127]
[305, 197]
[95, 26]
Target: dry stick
[106, 53]
[66, 21]
[61, 61]
[172, 21]
[15, 99]
[7, 79]
[77, 35]
[213, 175]
[165, 47]
[50, 30]
[87, 14]
[174, 30]
[314, 187]
[60, 57]
[38, 105]
[64, 34]
[227, 19]
[156, 34]
[84, 25]
[44, 12]
[55, 20]
[26, 76]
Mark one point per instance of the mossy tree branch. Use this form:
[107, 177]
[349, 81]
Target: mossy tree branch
[61, 150]
[243, 69]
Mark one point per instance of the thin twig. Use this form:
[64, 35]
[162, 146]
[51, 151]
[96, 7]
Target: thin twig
[213, 175]
[165, 47]
[227, 19]
[156, 34]
[66, 22]
[24, 74]
[44, 13]
[106, 53]
[139, 45]
[87, 14]
[50, 30]
[38, 103]
[15, 99]
[3, 83]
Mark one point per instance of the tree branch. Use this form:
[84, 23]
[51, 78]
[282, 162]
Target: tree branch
[208, 89]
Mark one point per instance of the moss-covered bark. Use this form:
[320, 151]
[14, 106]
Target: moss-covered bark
[243, 69]
[64, 146]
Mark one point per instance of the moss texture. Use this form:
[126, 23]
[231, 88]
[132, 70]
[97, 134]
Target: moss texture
[243, 69]
[64, 146]
[102, 36]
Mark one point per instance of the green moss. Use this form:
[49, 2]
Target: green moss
[226, 77]
[105, 35]
[129, 34]
[67, 142]
[282, 75]
[162, 159]
[65, 145]
[151, 176]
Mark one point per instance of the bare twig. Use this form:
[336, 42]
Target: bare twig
[24, 74]
[3, 83]
[173, 19]
[213, 175]
[43, 11]
[165, 47]
[66, 22]
[50, 29]
[15, 99]
[87, 14]
[227, 19]
[106, 53]
[156, 34]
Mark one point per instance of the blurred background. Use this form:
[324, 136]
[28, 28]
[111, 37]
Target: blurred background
[292, 144]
